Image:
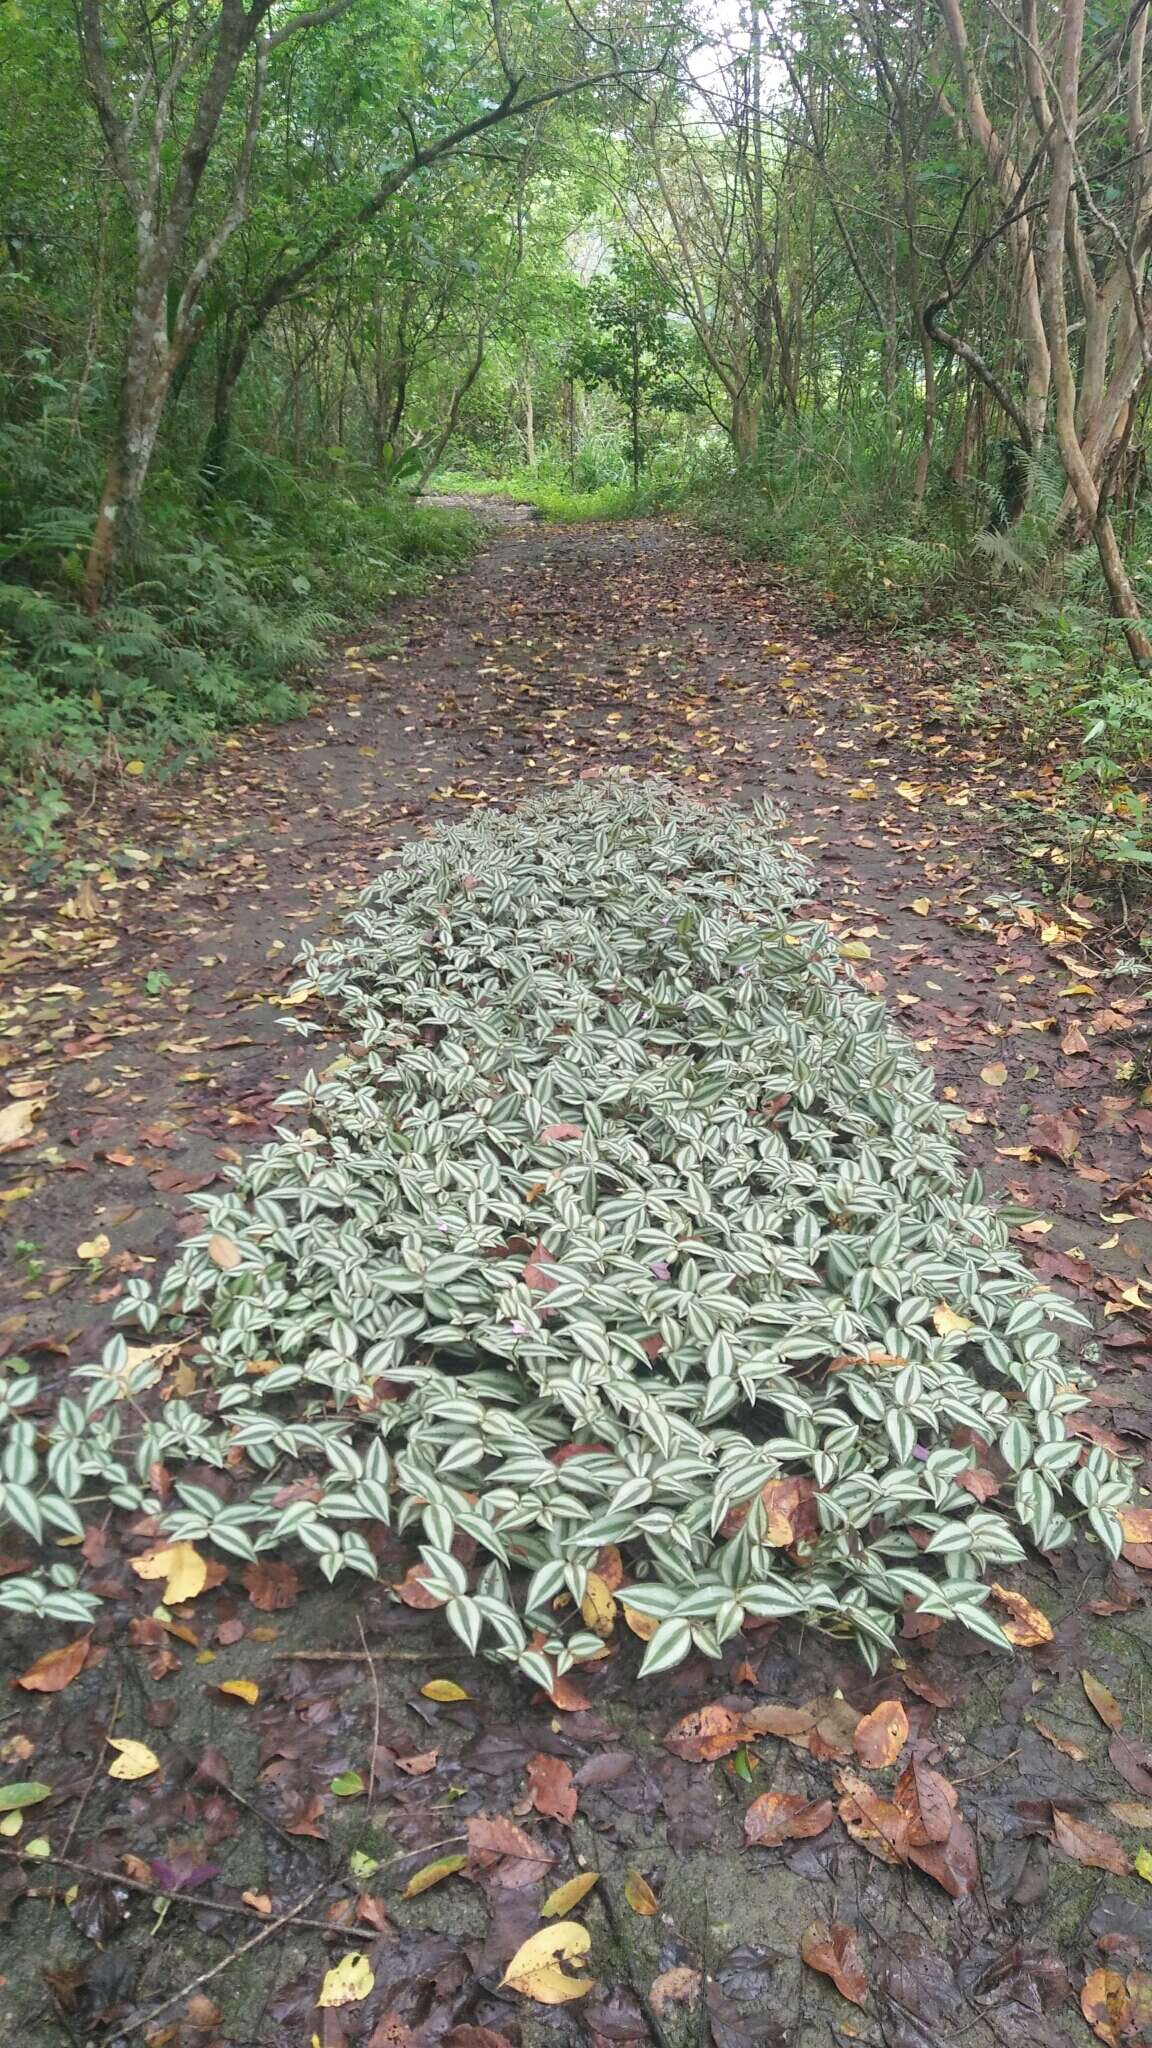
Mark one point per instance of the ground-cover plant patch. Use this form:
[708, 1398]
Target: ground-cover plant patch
[625, 1261]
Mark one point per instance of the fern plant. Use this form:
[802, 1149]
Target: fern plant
[630, 1222]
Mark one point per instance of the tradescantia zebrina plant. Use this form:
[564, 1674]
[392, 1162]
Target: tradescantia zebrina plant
[629, 1221]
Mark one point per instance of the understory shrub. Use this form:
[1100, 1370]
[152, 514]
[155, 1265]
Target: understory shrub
[629, 1220]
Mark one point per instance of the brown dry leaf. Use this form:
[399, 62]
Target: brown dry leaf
[1131, 1813]
[180, 1564]
[535, 1969]
[929, 1801]
[413, 1591]
[56, 1668]
[271, 1587]
[711, 1732]
[784, 1817]
[551, 1787]
[1028, 1626]
[223, 1252]
[678, 1986]
[1083, 1843]
[1106, 1704]
[498, 1849]
[881, 1735]
[640, 1895]
[569, 1894]
[1106, 2006]
[554, 1134]
[831, 1949]
[598, 1607]
[567, 1696]
[1060, 1742]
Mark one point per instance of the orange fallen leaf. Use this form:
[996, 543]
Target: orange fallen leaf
[1028, 1626]
[831, 1949]
[1106, 1704]
[640, 1895]
[880, 1736]
[56, 1668]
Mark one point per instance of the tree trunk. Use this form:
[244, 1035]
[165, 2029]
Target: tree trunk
[144, 386]
[529, 429]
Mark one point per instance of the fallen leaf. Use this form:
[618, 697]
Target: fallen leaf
[1131, 1814]
[831, 1949]
[553, 1133]
[270, 1587]
[946, 1321]
[443, 1689]
[640, 1895]
[241, 1689]
[56, 1668]
[678, 1986]
[347, 1982]
[223, 1252]
[16, 1121]
[995, 1074]
[535, 1968]
[598, 1607]
[133, 1759]
[569, 1894]
[1083, 1843]
[1028, 1626]
[433, 1873]
[880, 1736]
[1105, 2005]
[28, 1792]
[180, 1564]
[777, 1817]
[551, 1788]
[711, 1732]
[1060, 1742]
[1105, 1703]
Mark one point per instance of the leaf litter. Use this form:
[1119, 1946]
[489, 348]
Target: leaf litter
[109, 1123]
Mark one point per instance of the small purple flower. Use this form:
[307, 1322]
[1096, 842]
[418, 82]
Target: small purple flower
[518, 1329]
[660, 1268]
[918, 1451]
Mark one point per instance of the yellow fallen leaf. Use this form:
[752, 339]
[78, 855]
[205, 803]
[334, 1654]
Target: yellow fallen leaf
[909, 792]
[223, 1252]
[347, 1982]
[855, 949]
[568, 1895]
[1029, 1627]
[16, 1121]
[535, 1968]
[180, 1564]
[1141, 1864]
[94, 1247]
[443, 1689]
[433, 1873]
[921, 905]
[133, 767]
[994, 1074]
[642, 1625]
[133, 1759]
[947, 1323]
[640, 1895]
[241, 1689]
[598, 1607]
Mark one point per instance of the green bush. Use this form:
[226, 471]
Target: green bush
[631, 1220]
[219, 616]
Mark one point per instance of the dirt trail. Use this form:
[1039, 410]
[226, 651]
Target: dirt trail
[145, 987]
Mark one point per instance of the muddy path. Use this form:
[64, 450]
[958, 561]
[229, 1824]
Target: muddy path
[146, 967]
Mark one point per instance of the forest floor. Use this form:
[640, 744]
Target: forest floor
[147, 975]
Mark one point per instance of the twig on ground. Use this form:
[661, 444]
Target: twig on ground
[179, 1898]
[376, 1715]
[143, 2015]
[352, 1656]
